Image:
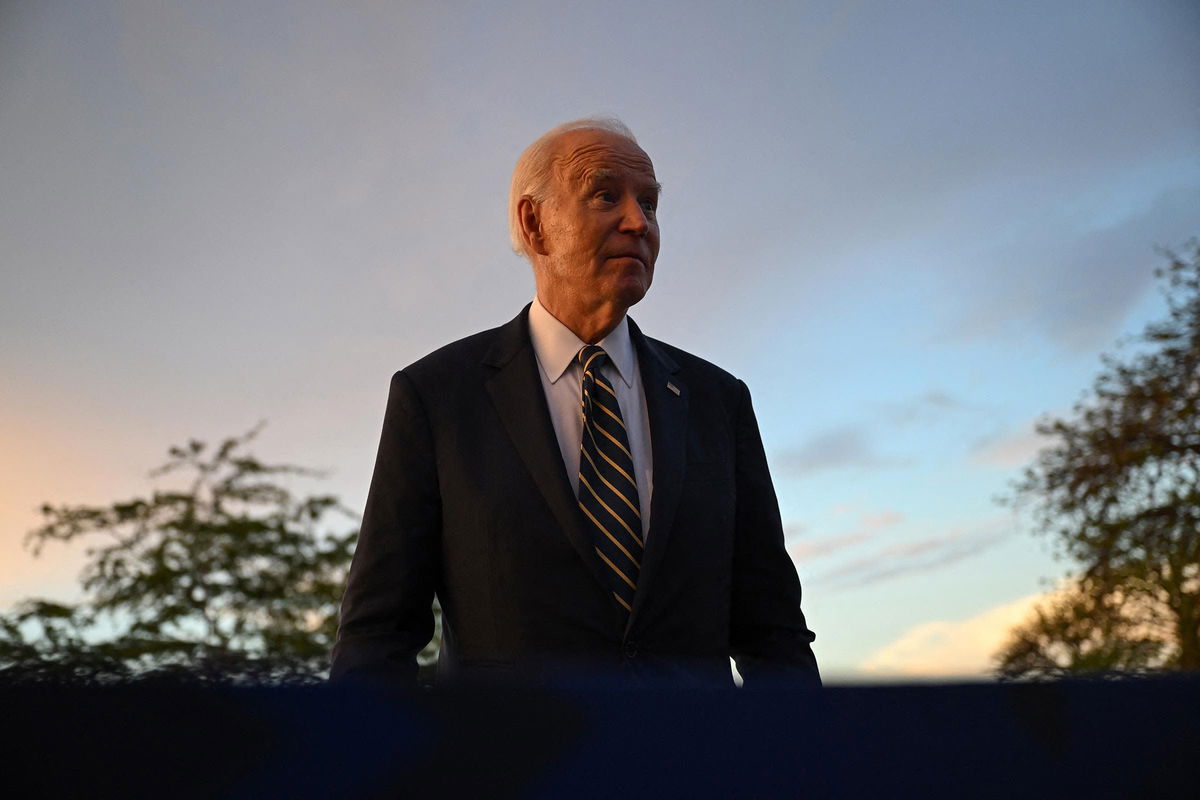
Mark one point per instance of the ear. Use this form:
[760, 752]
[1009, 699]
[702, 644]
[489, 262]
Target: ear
[529, 215]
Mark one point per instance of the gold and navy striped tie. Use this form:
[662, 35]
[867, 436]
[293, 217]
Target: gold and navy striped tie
[608, 492]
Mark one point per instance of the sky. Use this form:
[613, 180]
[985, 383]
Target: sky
[912, 228]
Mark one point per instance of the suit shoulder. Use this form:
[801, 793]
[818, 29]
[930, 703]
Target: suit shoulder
[695, 365]
[448, 370]
[451, 361]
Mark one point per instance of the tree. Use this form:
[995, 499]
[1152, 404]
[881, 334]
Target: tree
[1087, 630]
[227, 578]
[1118, 490]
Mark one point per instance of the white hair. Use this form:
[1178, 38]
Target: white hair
[531, 175]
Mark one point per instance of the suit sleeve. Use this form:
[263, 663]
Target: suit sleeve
[386, 613]
[769, 638]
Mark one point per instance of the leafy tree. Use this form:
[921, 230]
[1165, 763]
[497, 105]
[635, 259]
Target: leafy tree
[225, 579]
[1085, 629]
[1118, 490]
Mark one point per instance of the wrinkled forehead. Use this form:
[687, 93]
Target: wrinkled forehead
[584, 155]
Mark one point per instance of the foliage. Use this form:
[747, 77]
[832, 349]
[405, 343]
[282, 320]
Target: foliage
[225, 579]
[1118, 490]
[1087, 630]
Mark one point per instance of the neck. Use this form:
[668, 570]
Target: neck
[590, 324]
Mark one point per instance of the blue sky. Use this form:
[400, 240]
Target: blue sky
[911, 228]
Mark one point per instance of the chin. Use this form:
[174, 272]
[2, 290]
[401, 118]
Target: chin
[631, 292]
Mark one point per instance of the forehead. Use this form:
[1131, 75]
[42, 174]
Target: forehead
[584, 155]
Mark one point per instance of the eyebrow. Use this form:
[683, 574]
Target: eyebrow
[599, 176]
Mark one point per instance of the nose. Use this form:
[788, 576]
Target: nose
[633, 218]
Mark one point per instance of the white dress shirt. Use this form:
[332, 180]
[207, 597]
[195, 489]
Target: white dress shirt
[562, 379]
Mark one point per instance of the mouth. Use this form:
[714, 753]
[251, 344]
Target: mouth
[632, 256]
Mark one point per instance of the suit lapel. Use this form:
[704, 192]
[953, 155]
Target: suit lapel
[516, 392]
[668, 413]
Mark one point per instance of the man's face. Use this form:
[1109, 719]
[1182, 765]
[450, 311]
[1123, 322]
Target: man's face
[599, 228]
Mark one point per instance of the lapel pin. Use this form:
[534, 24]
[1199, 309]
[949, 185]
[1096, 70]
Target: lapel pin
[673, 388]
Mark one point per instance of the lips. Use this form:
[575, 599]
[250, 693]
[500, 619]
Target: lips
[634, 256]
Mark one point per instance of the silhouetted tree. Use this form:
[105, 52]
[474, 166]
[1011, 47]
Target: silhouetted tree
[1118, 490]
[226, 579]
[1084, 629]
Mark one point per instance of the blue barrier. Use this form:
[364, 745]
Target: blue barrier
[1094, 739]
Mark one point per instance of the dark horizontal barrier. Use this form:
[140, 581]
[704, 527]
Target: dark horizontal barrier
[1128, 739]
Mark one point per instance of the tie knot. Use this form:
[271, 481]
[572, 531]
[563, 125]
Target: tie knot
[592, 357]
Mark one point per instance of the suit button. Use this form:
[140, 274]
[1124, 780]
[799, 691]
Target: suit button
[630, 650]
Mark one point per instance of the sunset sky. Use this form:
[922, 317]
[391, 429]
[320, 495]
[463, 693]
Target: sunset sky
[912, 228]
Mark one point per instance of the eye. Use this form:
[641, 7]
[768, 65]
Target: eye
[649, 206]
[606, 195]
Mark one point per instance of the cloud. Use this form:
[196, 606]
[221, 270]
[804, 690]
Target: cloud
[881, 519]
[946, 648]
[928, 405]
[807, 551]
[918, 556]
[840, 448]
[793, 529]
[1072, 281]
[870, 525]
[1009, 449]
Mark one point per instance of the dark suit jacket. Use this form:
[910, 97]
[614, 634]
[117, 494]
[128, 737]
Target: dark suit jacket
[470, 500]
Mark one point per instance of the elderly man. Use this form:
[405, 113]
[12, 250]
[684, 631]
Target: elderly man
[576, 494]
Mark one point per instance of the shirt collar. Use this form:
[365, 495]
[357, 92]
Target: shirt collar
[556, 345]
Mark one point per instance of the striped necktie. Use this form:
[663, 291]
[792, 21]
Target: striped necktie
[608, 491]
